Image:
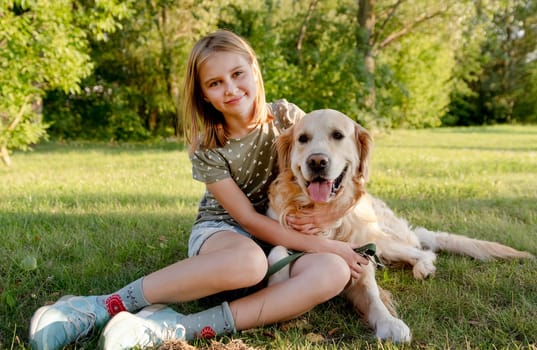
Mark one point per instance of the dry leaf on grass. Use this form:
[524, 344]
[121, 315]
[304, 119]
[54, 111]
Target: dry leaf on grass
[314, 337]
[298, 323]
[176, 345]
[181, 345]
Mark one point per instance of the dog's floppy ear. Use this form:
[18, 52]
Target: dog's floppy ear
[283, 147]
[364, 143]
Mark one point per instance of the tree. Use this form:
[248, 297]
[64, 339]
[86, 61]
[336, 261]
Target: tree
[43, 45]
[421, 68]
[496, 74]
[306, 51]
[313, 54]
[469, 63]
[382, 24]
[511, 46]
[140, 68]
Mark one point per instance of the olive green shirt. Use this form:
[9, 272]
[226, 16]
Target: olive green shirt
[251, 161]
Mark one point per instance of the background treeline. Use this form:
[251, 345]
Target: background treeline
[112, 70]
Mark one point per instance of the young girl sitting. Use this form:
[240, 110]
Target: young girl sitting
[231, 130]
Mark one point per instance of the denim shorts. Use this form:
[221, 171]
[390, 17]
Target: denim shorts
[205, 229]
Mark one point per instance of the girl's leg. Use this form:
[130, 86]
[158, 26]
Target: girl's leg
[314, 279]
[227, 261]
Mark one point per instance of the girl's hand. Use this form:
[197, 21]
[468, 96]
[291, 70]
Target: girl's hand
[307, 225]
[311, 222]
[346, 251]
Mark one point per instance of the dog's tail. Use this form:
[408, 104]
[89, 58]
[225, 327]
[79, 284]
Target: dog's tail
[475, 248]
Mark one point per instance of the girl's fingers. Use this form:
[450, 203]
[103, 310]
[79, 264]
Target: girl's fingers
[306, 225]
[356, 268]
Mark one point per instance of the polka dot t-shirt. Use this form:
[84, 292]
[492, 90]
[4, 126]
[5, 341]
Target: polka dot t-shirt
[250, 161]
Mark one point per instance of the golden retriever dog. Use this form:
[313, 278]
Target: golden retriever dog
[323, 161]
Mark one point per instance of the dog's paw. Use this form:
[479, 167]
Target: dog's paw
[425, 266]
[393, 329]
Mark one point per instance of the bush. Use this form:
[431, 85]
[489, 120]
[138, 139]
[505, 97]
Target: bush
[99, 113]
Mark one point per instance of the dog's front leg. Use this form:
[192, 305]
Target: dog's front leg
[422, 261]
[376, 306]
[276, 254]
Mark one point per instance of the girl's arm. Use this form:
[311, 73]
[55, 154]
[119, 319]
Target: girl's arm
[261, 226]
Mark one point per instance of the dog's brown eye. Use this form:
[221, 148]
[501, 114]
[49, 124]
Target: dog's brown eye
[303, 138]
[337, 135]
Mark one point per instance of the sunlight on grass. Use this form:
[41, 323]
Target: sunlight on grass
[89, 218]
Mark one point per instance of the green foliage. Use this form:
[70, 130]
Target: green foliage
[43, 45]
[143, 64]
[100, 18]
[101, 112]
[421, 67]
[451, 62]
[36, 53]
[322, 69]
[525, 107]
[463, 107]
[507, 33]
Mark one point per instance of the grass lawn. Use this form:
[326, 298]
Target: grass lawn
[89, 218]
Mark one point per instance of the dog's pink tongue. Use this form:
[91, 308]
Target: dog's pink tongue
[320, 191]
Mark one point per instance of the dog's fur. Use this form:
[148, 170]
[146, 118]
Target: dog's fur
[323, 161]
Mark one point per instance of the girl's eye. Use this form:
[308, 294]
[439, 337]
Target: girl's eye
[237, 73]
[214, 83]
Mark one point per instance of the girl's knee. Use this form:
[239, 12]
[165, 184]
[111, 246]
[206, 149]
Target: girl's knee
[335, 270]
[251, 265]
[329, 272]
[254, 261]
[240, 261]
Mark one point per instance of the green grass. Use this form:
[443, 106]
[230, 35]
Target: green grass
[89, 218]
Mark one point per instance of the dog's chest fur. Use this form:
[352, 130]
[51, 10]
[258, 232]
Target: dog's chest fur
[353, 206]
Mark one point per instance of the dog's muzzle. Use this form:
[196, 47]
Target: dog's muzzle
[321, 189]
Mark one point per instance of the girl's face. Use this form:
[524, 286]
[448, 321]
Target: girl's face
[228, 82]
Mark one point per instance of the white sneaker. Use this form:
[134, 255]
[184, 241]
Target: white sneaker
[71, 318]
[150, 327]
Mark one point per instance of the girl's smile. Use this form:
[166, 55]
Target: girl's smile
[234, 100]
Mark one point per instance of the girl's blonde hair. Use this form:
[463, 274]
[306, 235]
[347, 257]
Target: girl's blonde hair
[212, 133]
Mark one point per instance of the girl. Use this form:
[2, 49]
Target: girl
[231, 130]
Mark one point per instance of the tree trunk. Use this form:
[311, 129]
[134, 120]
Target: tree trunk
[167, 59]
[304, 28]
[366, 21]
[4, 155]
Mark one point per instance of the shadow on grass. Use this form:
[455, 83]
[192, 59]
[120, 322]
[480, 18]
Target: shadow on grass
[108, 148]
[100, 252]
[44, 256]
[108, 200]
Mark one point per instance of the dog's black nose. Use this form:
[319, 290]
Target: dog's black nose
[318, 162]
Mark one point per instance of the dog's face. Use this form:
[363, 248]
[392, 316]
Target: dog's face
[325, 151]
